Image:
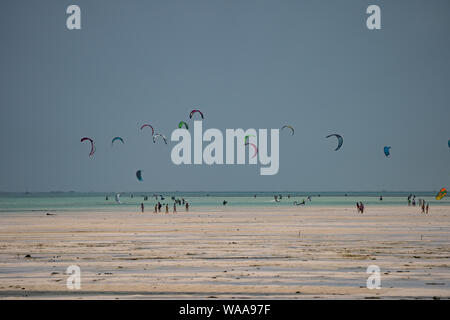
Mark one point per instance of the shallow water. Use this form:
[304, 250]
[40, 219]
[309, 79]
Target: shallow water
[199, 201]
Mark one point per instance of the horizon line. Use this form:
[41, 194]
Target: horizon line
[227, 191]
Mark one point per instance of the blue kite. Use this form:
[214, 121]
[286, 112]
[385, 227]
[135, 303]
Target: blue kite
[387, 151]
[117, 138]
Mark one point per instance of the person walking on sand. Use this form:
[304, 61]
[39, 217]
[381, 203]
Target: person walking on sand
[187, 206]
[428, 207]
[159, 206]
[174, 208]
[423, 206]
[142, 207]
[167, 208]
[358, 209]
[156, 209]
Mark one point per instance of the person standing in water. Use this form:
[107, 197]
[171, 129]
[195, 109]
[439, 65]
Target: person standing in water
[174, 207]
[156, 209]
[428, 207]
[187, 206]
[142, 207]
[167, 208]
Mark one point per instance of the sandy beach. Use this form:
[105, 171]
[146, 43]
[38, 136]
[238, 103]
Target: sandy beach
[290, 253]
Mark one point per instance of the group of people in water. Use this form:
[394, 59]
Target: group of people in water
[423, 205]
[279, 197]
[159, 205]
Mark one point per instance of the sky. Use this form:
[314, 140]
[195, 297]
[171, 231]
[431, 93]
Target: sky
[246, 64]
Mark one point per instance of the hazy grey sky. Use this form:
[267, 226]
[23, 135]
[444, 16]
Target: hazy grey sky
[245, 64]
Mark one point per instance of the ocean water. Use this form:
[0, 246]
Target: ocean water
[72, 201]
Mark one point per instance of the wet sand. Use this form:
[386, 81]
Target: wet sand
[293, 253]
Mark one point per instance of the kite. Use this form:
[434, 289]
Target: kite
[183, 123]
[159, 135]
[340, 140]
[387, 151]
[115, 139]
[139, 175]
[254, 147]
[246, 138]
[194, 111]
[442, 193]
[92, 145]
[290, 127]
[147, 125]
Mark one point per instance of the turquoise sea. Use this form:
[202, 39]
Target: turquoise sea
[73, 201]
